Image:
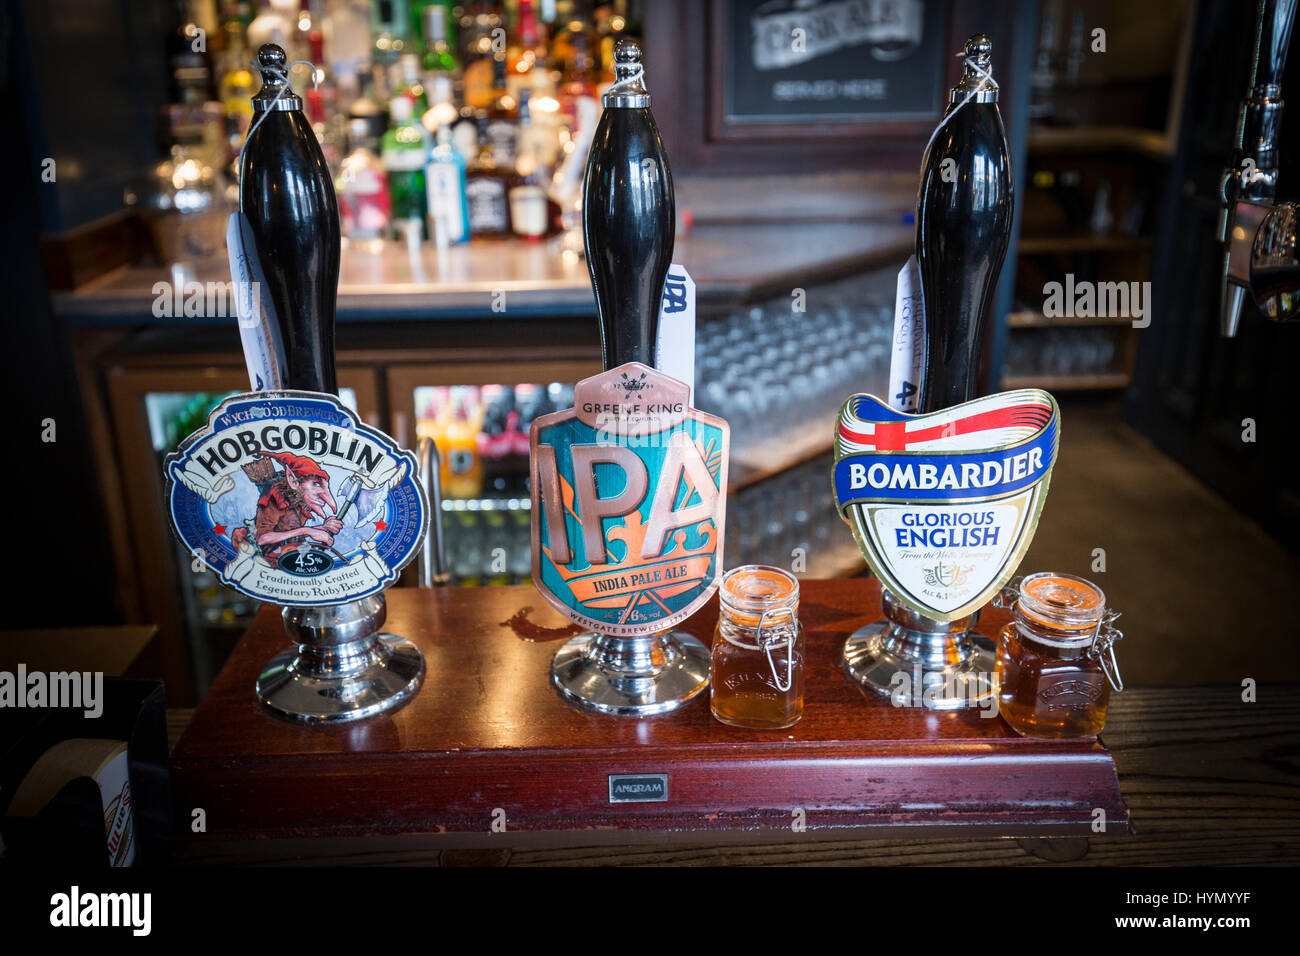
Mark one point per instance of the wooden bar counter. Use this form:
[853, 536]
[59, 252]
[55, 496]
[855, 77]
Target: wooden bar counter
[487, 741]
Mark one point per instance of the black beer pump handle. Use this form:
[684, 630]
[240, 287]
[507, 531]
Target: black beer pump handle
[287, 193]
[1260, 118]
[628, 216]
[1273, 36]
[963, 225]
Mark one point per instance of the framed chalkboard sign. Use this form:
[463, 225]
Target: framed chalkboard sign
[800, 86]
[832, 67]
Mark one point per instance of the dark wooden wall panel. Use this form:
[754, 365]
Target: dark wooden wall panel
[1192, 389]
[93, 75]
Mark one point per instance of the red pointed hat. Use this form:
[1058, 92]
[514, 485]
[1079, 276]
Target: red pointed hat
[303, 468]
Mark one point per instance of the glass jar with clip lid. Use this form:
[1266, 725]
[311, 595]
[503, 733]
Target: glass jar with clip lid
[1056, 659]
[758, 651]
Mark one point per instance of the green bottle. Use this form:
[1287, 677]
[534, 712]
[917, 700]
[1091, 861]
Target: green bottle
[439, 69]
[405, 152]
[419, 15]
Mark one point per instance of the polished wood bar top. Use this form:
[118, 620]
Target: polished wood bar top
[487, 731]
[729, 263]
[487, 687]
[1210, 780]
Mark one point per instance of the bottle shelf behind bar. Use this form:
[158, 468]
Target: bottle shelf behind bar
[444, 121]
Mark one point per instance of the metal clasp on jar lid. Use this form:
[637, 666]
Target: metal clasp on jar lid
[768, 642]
[1010, 593]
[1102, 649]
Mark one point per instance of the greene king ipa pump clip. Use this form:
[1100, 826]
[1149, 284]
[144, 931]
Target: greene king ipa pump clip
[629, 486]
[286, 494]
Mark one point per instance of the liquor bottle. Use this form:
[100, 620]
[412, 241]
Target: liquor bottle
[476, 89]
[464, 33]
[538, 133]
[304, 29]
[388, 27]
[610, 27]
[445, 179]
[503, 117]
[347, 41]
[487, 190]
[366, 107]
[237, 86]
[419, 11]
[963, 224]
[565, 22]
[483, 49]
[579, 74]
[526, 55]
[530, 208]
[405, 152]
[236, 15]
[408, 84]
[321, 98]
[288, 196]
[322, 95]
[364, 203]
[464, 134]
[276, 23]
[193, 79]
[440, 70]
[628, 218]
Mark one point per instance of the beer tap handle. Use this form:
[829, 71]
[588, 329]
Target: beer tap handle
[287, 193]
[1249, 183]
[628, 216]
[1272, 38]
[963, 226]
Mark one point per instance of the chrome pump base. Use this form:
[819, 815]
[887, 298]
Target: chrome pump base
[342, 669]
[918, 662]
[631, 676]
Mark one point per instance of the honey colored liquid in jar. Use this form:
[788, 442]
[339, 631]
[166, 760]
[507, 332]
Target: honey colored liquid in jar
[746, 688]
[1043, 695]
[745, 691]
[1051, 676]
